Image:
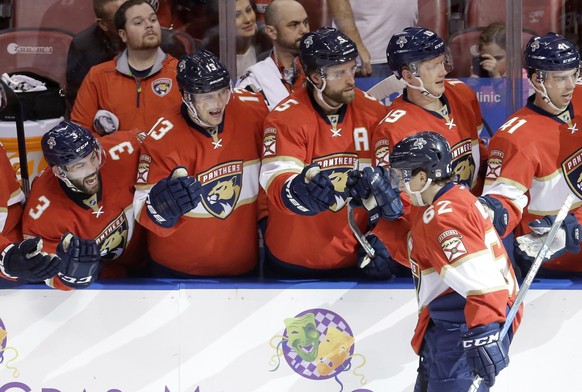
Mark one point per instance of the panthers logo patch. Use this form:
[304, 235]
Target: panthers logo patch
[463, 162]
[143, 168]
[221, 188]
[382, 152]
[113, 240]
[162, 86]
[572, 169]
[494, 165]
[270, 142]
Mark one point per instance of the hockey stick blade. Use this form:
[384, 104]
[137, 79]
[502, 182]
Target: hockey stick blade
[533, 270]
[370, 253]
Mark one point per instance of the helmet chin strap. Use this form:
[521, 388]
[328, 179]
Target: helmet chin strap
[319, 93]
[418, 194]
[546, 98]
[421, 88]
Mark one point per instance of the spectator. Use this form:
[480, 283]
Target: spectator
[370, 24]
[131, 90]
[205, 223]
[280, 73]
[534, 161]
[250, 41]
[100, 43]
[418, 57]
[491, 61]
[81, 205]
[20, 261]
[463, 276]
[324, 126]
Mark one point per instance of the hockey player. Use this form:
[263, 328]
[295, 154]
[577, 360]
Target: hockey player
[450, 107]
[129, 91]
[535, 159]
[21, 261]
[81, 206]
[324, 126]
[197, 188]
[280, 73]
[464, 279]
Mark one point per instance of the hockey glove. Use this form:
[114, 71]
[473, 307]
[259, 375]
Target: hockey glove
[485, 353]
[382, 266]
[309, 192]
[81, 261]
[567, 239]
[173, 197]
[26, 261]
[374, 188]
[497, 213]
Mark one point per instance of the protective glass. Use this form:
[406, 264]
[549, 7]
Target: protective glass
[332, 73]
[447, 63]
[400, 175]
[221, 97]
[85, 166]
[561, 79]
[394, 177]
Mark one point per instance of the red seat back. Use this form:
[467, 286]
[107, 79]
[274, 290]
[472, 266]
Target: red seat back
[43, 51]
[70, 15]
[433, 15]
[541, 16]
[318, 12]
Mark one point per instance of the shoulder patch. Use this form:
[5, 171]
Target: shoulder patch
[382, 152]
[143, 168]
[270, 142]
[452, 244]
[494, 164]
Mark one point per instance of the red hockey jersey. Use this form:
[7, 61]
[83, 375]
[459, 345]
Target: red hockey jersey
[297, 134]
[535, 161]
[453, 247]
[11, 200]
[219, 237]
[460, 123]
[107, 217]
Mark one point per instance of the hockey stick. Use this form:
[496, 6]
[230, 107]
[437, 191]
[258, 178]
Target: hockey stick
[14, 102]
[533, 270]
[370, 252]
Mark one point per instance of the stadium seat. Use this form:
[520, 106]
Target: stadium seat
[70, 15]
[464, 45]
[40, 50]
[318, 12]
[433, 15]
[540, 16]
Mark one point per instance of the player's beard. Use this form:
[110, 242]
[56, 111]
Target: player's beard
[341, 96]
[89, 185]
